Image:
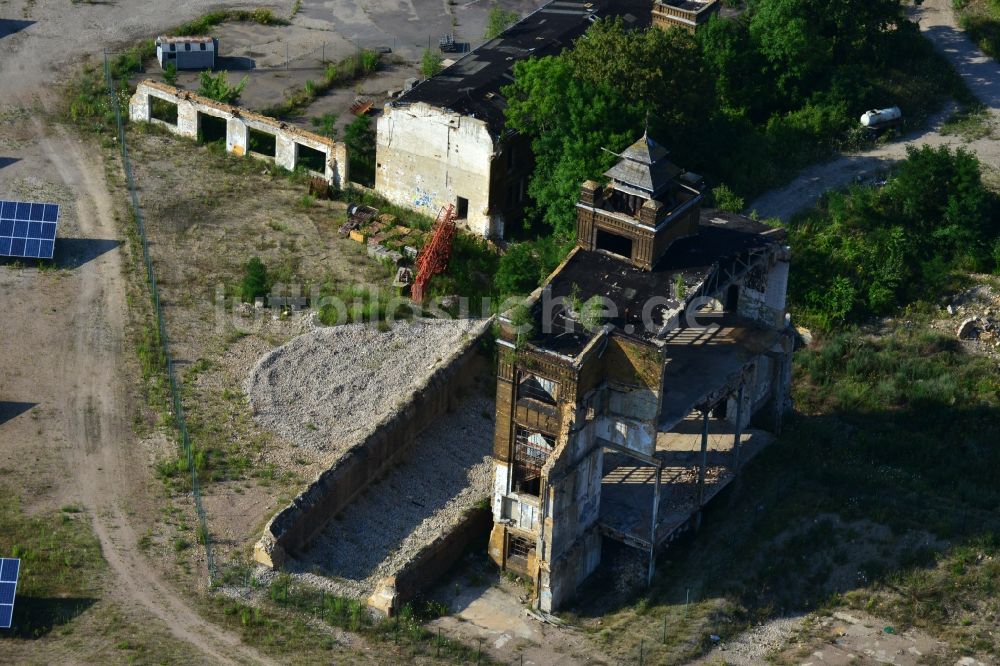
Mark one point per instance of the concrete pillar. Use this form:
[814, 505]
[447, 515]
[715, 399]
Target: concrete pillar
[704, 458]
[286, 152]
[138, 106]
[652, 528]
[237, 136]
[737, 444]
[337, 171]
[187, 119]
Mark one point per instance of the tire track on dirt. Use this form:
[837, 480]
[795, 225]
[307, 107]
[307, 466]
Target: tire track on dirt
[106, 463]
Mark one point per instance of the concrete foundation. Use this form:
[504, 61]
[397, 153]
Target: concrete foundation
[291, 145]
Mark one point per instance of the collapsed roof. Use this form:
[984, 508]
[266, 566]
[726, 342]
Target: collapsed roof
[472, 85]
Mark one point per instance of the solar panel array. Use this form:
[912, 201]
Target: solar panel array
[9, 569]
[28, 229]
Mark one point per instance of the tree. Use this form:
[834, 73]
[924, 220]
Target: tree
[806, 40]
[326, 125]
[569, 120]
[736, 66]
[254, 282]
[660, 72]
[359, 137]
[499, 20]
[170, 74]
[217, 87]
[430, 65]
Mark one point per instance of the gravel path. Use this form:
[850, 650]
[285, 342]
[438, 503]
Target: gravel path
[447, 471]
[981, 74]
[326, 389]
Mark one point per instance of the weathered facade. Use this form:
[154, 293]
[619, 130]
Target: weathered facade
[445, 141]
[628, 390]
[428, 157]
[685, 14]
[245, 133]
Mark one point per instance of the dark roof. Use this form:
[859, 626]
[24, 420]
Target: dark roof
[471, 86]
[644, 166]
[722, 237]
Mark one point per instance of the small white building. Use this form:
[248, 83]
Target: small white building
[187, 52]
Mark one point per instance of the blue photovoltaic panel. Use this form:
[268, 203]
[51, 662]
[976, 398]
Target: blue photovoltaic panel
[28, 229]
[9, 569]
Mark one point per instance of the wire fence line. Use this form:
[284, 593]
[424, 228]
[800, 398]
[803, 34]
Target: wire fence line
[203, 534]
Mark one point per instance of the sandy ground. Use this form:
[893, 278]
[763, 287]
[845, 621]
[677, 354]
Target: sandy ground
[81, 374]
[981, 74]
[326, 389]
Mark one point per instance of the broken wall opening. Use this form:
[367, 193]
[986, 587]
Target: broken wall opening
[163, 110]
[531, 451]
[614, 243]
[538, 388]
[262, 143]
[519, 550]
[311, 159]
[211, 128]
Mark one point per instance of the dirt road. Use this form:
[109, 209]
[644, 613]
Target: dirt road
[981, 74]
[74, 320]
[102, 449]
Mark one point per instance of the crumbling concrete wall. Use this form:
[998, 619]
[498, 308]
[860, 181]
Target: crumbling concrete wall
[762, 292]
[296, 525]
[288, 139]
[427, 158]
[433, 561]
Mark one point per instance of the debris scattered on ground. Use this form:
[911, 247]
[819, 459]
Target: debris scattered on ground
[977, 309]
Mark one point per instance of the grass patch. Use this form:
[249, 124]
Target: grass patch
[879, 495]
[980, 19]
[352, 68]
[61, 565]
[204, 24]
[969, 123]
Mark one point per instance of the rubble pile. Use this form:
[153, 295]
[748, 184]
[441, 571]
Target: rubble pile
[974, 315]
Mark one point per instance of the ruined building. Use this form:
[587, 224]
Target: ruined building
[685, 14]
[445, 141]
[652, 362]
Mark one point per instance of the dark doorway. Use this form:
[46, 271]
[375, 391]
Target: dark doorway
[211, 128]
[311, 159]
[262, 143]
[162, 109]
[614, 243]
[732, 298]
[462, 208]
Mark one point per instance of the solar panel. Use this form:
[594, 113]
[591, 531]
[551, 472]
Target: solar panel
[9, 569]
[28, 229]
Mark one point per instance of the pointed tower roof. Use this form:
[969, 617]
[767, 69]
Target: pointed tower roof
[643, 169]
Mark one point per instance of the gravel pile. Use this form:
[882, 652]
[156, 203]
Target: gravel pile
[327, 388]
[447, 471]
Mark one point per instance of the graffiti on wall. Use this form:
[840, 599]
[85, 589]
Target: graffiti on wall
[423, 198]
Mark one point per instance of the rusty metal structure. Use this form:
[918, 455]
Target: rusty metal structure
[433, 258]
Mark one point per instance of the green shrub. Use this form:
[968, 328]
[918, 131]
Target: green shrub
[725, 199]
[255, 283]
[870, 250]
[217, 87]
[170, 74]
[430, 63]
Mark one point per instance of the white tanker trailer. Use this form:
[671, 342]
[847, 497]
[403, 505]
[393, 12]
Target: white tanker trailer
[879, 118]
